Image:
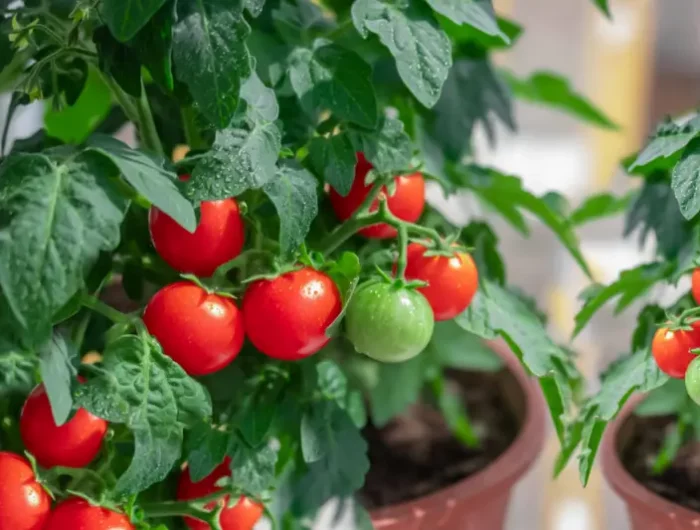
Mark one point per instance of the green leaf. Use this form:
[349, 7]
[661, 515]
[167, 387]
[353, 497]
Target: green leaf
[253, 469]
[238, 161]
[473, 93]
[400, 387]
[17, 371]
[668, 139]
[506, 192]
[152, 395]
[469, 38]
[686, 180]
[666, 400]
[345, 272]
[329, 77]
[604, 7]
[481, 238]
[341, 469]
[58, 373]
[332, 381]
[126, 17]
[476, 13]
[211, 56]
[409, 30]
[118, 61]
[454, 347]
[553, 90]
[452, 407]
[294, 194]
[206, 449]
[154, 46]
[148, 176]
[58, 214]
[388, 147]
[599, 206]
[261, 100]
[315, 433]
[630, 285]
[254, 7]
[334, 158]
[257, 412]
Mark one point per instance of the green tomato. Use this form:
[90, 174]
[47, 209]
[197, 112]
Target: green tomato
[692, 380]
[388, 322]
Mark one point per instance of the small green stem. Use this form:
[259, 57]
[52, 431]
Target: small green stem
[147, 126]
[194, 508]
[189, 124]
[97, 305]
[403, 251]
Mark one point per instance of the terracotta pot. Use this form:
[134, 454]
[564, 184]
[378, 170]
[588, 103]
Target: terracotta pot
[480, 501]
[646, 509]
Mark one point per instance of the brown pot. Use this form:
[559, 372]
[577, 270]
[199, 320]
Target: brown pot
[480, 501]
[646, 509]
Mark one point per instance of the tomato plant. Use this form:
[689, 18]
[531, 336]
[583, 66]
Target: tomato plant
[226, 285]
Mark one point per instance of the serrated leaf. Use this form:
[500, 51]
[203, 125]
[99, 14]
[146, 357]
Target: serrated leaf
[206, 449]
[599, 206]
[17, 371]
[329, 77]
[388, 147]
[58, 214]
[152, 395]
[253, 469]
[454, 347]
[332, 381]
[476, 13]
[665, 400]
[148, 176]
[126, 17]
[554, 90]
[400, 387]
[345, 272]
[473, 93]
[154, 46]
[58, 373]
[481, 238]
[668, 139]
[686, 180]
[211, 56]
[293, 191]
[261, 100]
[238, 161]
[257, 412]
[334, 157]
[409, 30]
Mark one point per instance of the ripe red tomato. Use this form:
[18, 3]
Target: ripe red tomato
[452, 281]
[695, 288]
[286, 318]
[78, 514]
[406, 203]
[671, 350]
[218, 238]
[24, 504]
[73, 444]
[201, 332]
[241, 516]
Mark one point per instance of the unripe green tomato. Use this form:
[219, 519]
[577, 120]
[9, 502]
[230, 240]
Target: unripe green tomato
[388, 322]
[692, 380]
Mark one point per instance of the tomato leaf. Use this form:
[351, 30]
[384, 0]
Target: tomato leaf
[668, 139]
[334, 158]
[604, 7]
[17, 371]
[553, 90]
[476, 13]
[329, 77]
[126, 17]
[254, 7]
[261, 100]
[293, 191]
[598, 207]
[388, 147]
[454, 347]
[119, 61]
[483, 241]
[686, 180]
[315, 425]
[423, 53]
[148, 177]
[154, 46]
[206, 449]
[253, 469]
[58, 214]
[345, 272]
[58, 373]
[665, 400]
[332, 381]
[238, 161]
[400, 387]
[152, 395]
[211, 56]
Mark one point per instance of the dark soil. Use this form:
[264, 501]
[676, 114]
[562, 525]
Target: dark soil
[416, 454]
[680, 483]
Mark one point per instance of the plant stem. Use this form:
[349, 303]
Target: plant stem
[189, 124]
[403, 251]
[147, 126]
[97, 305]
[193, 508]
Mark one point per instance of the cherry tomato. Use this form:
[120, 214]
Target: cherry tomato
[671, 350]
[241, 516]
[452, 281]
[202, 332]
[78, 514]
[692, 380]
[695, 288]
[218, 238]
[24, 504]
[406, 203]
[286, 318]
[387, 322]
[73, 444]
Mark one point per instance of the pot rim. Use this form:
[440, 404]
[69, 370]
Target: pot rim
[621, 480]
[505, 469]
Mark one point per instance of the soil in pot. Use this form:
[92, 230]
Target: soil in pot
[680, 482]
[416, 454]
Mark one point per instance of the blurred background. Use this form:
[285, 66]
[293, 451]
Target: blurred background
[637, 67]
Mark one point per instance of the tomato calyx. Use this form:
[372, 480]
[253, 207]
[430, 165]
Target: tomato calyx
[683, 322]
[398, 283]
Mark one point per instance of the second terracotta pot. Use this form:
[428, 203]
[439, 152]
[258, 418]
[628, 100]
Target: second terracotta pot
[480, 501]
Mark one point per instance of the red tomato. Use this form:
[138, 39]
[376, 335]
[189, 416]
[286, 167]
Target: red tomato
[286, 318]
[241, 516]
[452, 281]
[218, 238]
[406, 203]
[695, 289]
[73, 444]
[24, 504]
[671, 350]
[201, 332]
[78, 514]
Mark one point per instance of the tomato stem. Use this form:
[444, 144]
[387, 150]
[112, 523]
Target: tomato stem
[193, 508]
[98, 306]
[403, 252]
